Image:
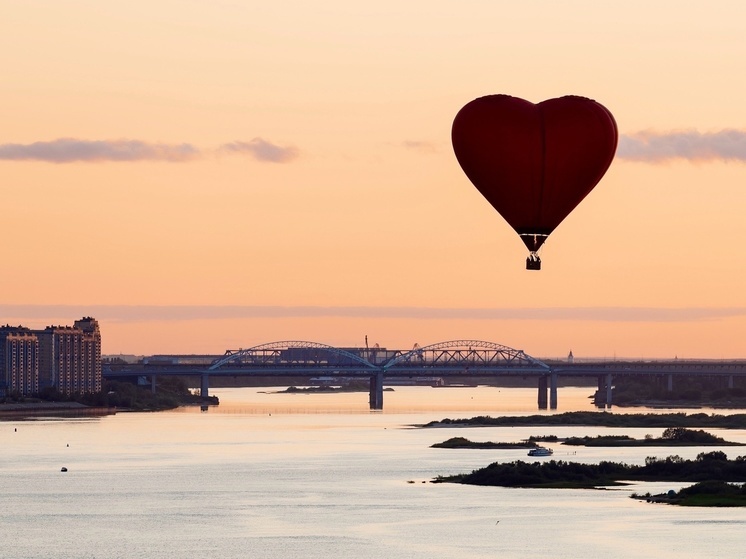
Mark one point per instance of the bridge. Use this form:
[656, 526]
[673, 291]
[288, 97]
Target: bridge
[462, 360]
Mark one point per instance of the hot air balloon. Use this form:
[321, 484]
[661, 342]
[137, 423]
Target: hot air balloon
[534, 162]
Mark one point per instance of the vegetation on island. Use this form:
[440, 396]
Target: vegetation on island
[672, 436]
[328, 389]
[702, 494]
[461, 442]
[716, 477]
[601, 419]
[708, 466]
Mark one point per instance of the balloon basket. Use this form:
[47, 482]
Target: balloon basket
[533, 262]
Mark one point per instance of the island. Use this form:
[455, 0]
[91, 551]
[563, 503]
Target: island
[708, 466]
[326, 389]
[600, 419]
[461, 442]
[702, 494]
[673, 436]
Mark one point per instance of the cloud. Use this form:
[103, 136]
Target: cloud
[68, 150]
[654, 147]
[423, 147]
[150, 313]
[262, 150]
[71, 150]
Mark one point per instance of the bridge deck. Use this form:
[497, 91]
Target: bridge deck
[459, 358]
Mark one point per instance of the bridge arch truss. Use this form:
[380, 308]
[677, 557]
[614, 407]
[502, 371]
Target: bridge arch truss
[292, 353]
[442, 357]
[466, 355]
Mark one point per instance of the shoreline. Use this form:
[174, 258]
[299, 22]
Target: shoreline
[40, 409]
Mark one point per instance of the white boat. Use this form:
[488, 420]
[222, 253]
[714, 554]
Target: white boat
[540, 451]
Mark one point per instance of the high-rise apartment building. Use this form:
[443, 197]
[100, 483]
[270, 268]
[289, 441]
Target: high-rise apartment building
[91, 354]
[70, 357]
[67, 358]
[19, 352]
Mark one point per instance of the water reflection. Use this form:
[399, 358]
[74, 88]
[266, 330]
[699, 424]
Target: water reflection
[402, 399]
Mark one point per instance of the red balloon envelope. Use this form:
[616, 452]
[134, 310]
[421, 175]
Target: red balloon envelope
[534, 162]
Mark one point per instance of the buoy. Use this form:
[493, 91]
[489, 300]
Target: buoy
[63, 469]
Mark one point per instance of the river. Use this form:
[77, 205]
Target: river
[271, 475]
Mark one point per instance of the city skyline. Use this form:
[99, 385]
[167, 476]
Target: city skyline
[208, 176]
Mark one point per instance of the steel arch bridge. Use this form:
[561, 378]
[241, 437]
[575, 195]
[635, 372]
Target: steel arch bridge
[463, 359]
[442, 357]
[451, 358]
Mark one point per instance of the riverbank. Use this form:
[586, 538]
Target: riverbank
[114, 398]
[15, 410]
[672, 404]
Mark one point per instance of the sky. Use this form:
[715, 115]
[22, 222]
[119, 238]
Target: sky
[211, 175]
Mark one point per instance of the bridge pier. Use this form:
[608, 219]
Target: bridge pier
[543, 386]
[204, 387]
[608, 389]
[730, 381]
[604, 389]
[670, 382]
[552, 390]
[152, 384]
[376, 391]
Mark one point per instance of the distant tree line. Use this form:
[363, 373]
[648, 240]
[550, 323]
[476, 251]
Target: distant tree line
[708, 466]
[170, 393]
[636, 389]
[702, 494]
[672, 436]
[602, 419]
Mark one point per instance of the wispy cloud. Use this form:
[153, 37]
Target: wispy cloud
[421, 146]
[262, 150]
[71, 150]
[661, 147]
[68, 150]
[149, 313]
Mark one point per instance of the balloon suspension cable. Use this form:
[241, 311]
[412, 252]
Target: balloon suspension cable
[533, 262]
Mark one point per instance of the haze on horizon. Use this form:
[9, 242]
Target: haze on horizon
[203, 176]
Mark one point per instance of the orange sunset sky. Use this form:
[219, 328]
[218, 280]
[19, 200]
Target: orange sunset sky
[212, 175]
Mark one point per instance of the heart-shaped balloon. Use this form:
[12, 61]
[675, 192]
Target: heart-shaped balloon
[534, 162]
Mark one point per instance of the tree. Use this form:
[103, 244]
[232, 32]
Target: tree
[714, 455]
[674, 434]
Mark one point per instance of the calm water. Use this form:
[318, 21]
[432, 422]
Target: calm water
[281, 475]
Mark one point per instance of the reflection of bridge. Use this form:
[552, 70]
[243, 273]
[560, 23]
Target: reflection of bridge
[460, 359]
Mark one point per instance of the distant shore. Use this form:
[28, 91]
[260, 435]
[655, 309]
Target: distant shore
[33, 409]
